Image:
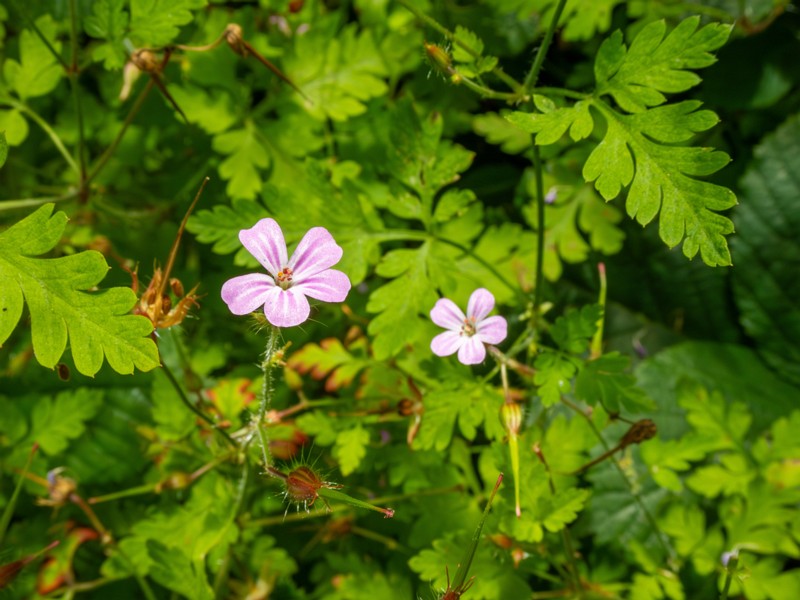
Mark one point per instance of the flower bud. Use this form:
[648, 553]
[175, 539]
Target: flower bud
[302, 486]
[439, 58]
[511, 417]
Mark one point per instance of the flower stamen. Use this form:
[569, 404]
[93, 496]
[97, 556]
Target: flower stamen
[284, 278]
[469, 327]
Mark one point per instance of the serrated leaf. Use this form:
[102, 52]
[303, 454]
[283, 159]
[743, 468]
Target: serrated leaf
[338, 72]
[554, 375]
[329, 360]
[606, 381]
[246, 157]
[176, 572]
[108, 21]
[573, 330]
[56, 421]
[766, 250]
[350, 448]
[399, 302]
[637, 76]
[37, 72]
[552, 122]
[97, 324]
[155, 23]
[498, 129]
[664, 181]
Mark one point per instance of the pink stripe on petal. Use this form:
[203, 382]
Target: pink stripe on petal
[245, 294]
[481, 303]
[447, 343]
[472, 352]
[493, 330]
[328, 286]
[446, 314]
[286, 308]
[316, 252]
[265, 242]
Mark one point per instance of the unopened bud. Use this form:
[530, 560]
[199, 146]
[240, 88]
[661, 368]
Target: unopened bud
[174, 481]
[511, 417]
[439, 58]
[302, 486]
[176, 286]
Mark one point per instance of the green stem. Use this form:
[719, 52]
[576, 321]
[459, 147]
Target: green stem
[645, 511]
[31, 202]
[730, 568]
[533, 74]
[42, 37]
[265, 401]
[540, 234]
[72, 72]
[101, 163]
[487, 92]
[597, 340]
[12, 503]
[45, 127]
[502, 75]
[185, 399]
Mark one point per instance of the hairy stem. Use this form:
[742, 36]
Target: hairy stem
[265, 400]
[533, 74]
[540, 234]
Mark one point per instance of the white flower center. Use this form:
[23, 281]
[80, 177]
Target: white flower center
[468, 328]
[284, 278]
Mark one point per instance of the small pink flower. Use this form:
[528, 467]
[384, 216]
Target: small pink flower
[467, 334]
[283, 291]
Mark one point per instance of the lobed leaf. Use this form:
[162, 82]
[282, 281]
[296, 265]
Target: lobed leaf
[97, 324]
[156, 23]
[37, 72]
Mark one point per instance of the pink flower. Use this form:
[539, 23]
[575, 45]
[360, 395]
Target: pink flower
[467, 334]
[283, 291]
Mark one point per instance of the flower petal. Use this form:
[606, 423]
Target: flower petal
[316, 252]
[286, 308]
[472, 352]
[265, 242]
[492, 330]
[446, 314]
[328, 286]
[447, 343]
[481, 303]
[245, 294]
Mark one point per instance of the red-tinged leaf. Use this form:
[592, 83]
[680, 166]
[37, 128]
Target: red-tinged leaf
[332, 360]
[57, 568]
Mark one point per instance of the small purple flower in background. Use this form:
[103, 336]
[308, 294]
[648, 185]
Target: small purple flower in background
[283, 291]
[467, 333]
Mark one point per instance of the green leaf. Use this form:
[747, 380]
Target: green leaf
[176, 572]
[350, 448]
[56, 421]
[573, 331]
[331, 360]
[174, 421]
[96, 323]
[108, 21]
[155, 23]
[552, 122]
[246, 157]
[606, 381]
[470, 65]
[37, 72]
[554, 375]
[637, 76]
[498, 129]
[664, 179]
[766, 250]
[14, 126]
[399, 302]
[339, 72]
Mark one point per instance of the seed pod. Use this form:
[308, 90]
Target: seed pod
[235, 39]
[145, 60]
